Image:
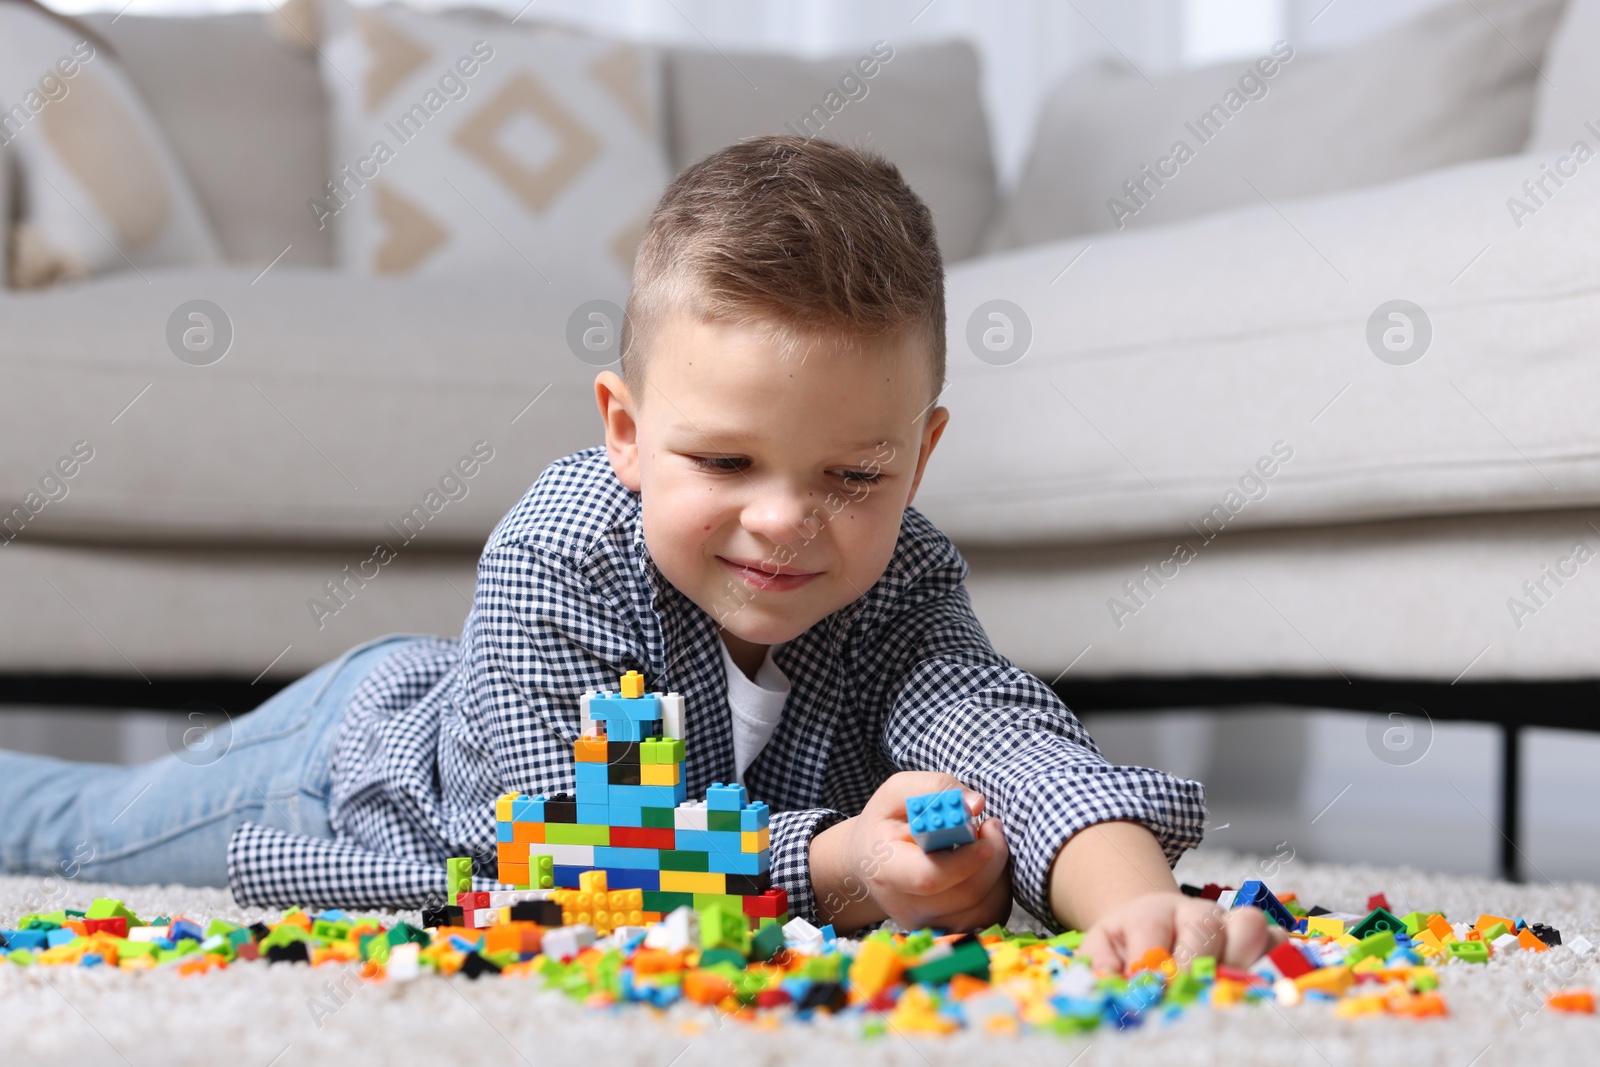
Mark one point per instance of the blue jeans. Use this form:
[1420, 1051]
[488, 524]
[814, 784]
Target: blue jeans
[170, 820]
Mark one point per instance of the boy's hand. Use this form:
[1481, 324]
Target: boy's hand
[869, 867]
[1186, 926]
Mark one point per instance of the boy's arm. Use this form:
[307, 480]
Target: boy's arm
[960, 707]
[1102, 867]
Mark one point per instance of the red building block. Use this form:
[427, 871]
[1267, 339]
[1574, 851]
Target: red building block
[642, 837]
[1378, 900]
[1290, 961]
[116, 927]
[769, 905]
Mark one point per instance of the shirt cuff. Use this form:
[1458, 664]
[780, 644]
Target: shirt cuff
[792, 832]
[1170, 808]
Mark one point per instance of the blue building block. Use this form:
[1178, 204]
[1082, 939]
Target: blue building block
[713, 841]
[729, 797]
[566, 875]
[592, 793]
[1254, 893]
[754, 816]
[592, 774]
[626, 815]
[648, 796]
[503, 832]
[640, 859]
[621, 729]
[632, 878]
[739, 862]
[528, 809]
[626, 718]
[62, 936]
[594, 814]
[940, 820]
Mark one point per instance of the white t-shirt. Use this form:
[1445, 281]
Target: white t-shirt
[756, 706]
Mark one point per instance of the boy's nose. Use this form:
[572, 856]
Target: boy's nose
[784, 517]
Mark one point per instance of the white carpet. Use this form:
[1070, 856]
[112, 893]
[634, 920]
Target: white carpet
[260, 1016]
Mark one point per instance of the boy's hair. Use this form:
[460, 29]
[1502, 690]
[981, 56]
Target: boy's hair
[799, 236]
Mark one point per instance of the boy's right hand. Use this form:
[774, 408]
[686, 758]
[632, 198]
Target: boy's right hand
[869, 867]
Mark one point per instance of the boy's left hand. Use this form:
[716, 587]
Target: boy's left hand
[1188, 927]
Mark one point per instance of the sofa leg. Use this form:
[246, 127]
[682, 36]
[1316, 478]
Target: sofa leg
[1510, 797]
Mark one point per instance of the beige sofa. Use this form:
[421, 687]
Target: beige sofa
[224, 503]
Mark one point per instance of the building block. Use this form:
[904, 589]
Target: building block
[660, 774]
[738, 862]
[458, 875]
[632, 685]
[940, 820]
[559, 833]
[708, 841]
[528, 809]
[1290, 961]
[503, 810]
[684, 860]
[755, 816]
[627, 774]
[648, 859]
[591, 794]
[693, 882]
[642, 837]
[504, 832]
[527, 833]
[729, 797]
[563, 807]
[542, 871]
[1377, 921]
[518, 874]
[590, 749]
[594, 815]
[690, 815]
[625, 815]
[657, 818]
[770, 905]
[723, 821]
[672, 717]
[755, 841]
[1254, 893]
[591, 773]
[635, 878]
[564, 855]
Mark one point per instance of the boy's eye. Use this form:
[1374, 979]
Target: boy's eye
[719, 464]
[859, 477]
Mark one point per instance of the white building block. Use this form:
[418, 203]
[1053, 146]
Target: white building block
[566, 855]
[672, 715]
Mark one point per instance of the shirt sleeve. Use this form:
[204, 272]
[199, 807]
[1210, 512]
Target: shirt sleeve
[962, 708]
[790, 859]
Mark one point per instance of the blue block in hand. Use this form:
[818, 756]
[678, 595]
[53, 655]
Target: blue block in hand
[940, 820]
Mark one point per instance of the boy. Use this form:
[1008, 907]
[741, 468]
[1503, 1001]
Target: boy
[744, 538]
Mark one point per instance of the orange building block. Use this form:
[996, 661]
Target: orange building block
[1531, 943]
[1579, 1000]
[514, 874]
[527, 833]
[590, 749]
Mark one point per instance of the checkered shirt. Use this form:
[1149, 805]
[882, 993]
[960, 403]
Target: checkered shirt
[903, 678]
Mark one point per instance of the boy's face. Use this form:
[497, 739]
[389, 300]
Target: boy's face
[772, 487]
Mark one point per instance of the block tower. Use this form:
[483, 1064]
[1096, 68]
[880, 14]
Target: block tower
[632, 822]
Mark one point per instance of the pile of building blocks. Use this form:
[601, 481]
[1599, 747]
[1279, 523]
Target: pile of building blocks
[632, 825]
[927, 981]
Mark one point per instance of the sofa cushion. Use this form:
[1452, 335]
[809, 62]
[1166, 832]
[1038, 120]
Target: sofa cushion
[1456, 83]
[1569, 92]
[1150, 377]
[464, 147]
[919, 106]
[101, 189]
[246, 116]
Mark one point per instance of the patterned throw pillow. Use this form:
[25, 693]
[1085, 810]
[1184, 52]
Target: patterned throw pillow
[464, 145]
[99, 189]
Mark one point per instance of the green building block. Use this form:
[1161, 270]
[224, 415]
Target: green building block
[375, 947]
[1205, 968]
[134, 949]
[576, 833]
[328, 930]
[1470, 951]
[677, 859]
[726, 822]
[721, 927]
[722, 954]
[107, 908]
[280, 935]
[823, 968]
[1416, 922]
[1379, 944]
[542, 873]
[728, 901]
[657, 818]
[657, 900]
[1493, 932]
[766, 941]
[969, 957]
[458, 871]
[1378, 920]
[401, 933]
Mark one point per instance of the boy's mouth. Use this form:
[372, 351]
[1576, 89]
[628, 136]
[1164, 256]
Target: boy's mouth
[767, 576]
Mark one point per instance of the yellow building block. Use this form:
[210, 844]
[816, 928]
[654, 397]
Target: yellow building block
[502, 807]
[1324, 926]
[633, 684]
[693, 882]
[755, 840]
[1347, 940]
[1333, 980]
[876, 967]
[660, 773]
[592, 882]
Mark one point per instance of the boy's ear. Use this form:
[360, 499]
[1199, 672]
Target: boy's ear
[932, 430]
[622, 429]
